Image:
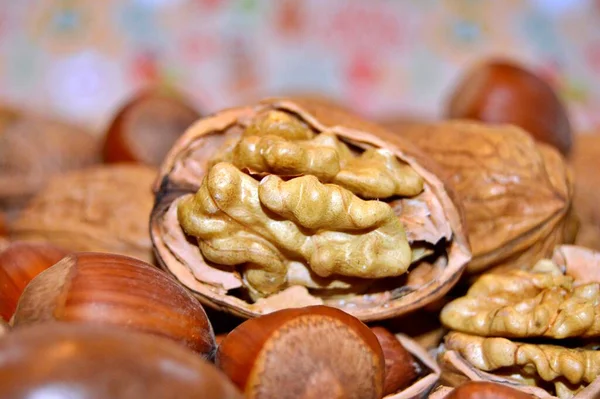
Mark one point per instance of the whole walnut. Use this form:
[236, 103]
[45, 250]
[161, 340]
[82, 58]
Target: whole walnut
[101, 209]
[33, 149]
[585, 161]
[286, 204]
[517, 195]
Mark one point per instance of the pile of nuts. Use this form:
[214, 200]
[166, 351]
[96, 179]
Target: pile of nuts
[290, 249]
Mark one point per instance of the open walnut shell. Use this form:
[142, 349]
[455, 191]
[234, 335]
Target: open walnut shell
[431, 220]
[546, 369]
[517, 194]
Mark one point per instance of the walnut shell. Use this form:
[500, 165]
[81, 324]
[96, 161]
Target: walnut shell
[34, 148]
[530, 366]
[517, 195]
[585, 159]
[101, 209]
[433, 213]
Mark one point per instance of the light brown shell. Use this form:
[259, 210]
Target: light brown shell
[101, 209]
[422, 385]
[585, 161]
[33, 149]
[182, 173]
[516, 194]
[581, 263]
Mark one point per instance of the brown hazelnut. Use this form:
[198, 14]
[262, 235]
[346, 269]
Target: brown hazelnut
[311, 352]
[146, 127]
[486, 390]
[501, 92]
[3, 225]
[19, 263]
[96, 362]
[400, 366]
[119, 291]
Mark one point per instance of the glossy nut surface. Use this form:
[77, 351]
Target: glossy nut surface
[312, 352]
[118, 291]
[400, 366]
[98, 362]
[501, 92]
[20, 262]
[486, 390]
[147, 126]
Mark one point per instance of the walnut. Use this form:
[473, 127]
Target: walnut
[527, 304]
[229, 216]
[266, 147]
[517, 195]
[555, 300]
[33, 149]
[252, 217]
[551, 363]
[102, 209]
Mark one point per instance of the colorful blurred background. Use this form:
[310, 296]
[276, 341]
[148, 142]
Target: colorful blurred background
[81, 59]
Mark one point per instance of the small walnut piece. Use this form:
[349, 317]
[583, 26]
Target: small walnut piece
[549, 362]
[316, 223]
[540, 303]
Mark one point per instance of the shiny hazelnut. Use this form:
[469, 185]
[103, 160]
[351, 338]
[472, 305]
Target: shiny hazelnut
[486, 390]
[501, 92]
[311, 352]
[96, 362]
[119, 291]
[19, 263]
[146, 127]
[400, 366]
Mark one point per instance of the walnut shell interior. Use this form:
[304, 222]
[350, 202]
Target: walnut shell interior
[430, 219]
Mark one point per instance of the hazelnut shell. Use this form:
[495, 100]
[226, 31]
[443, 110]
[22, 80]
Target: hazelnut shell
[96, 362]
[501, 92]
[146, 127]
[20, 262]
[312, 352]
[115, 290]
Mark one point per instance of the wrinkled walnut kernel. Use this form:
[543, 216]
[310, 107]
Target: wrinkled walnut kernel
[233, 218]
[539, 303]
[550, 362]
[276, 143]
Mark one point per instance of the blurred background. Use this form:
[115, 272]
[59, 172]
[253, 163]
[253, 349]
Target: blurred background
[79, 60]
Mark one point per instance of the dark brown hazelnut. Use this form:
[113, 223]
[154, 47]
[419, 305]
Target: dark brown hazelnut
[312, 352]
[19, 263]
[97, 362]
[400, 366]
[501, 92]
[486, 390]
[146, 127]
[119, 291]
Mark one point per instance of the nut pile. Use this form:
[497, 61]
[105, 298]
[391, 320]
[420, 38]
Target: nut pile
[289, 249]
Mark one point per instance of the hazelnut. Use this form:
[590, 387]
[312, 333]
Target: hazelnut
[486, 390]
[501, 92]
[119, 291]
[311, 352]
[83, 361]
[19, 263]
[400, 366]
[146, 127]
[3, 225]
